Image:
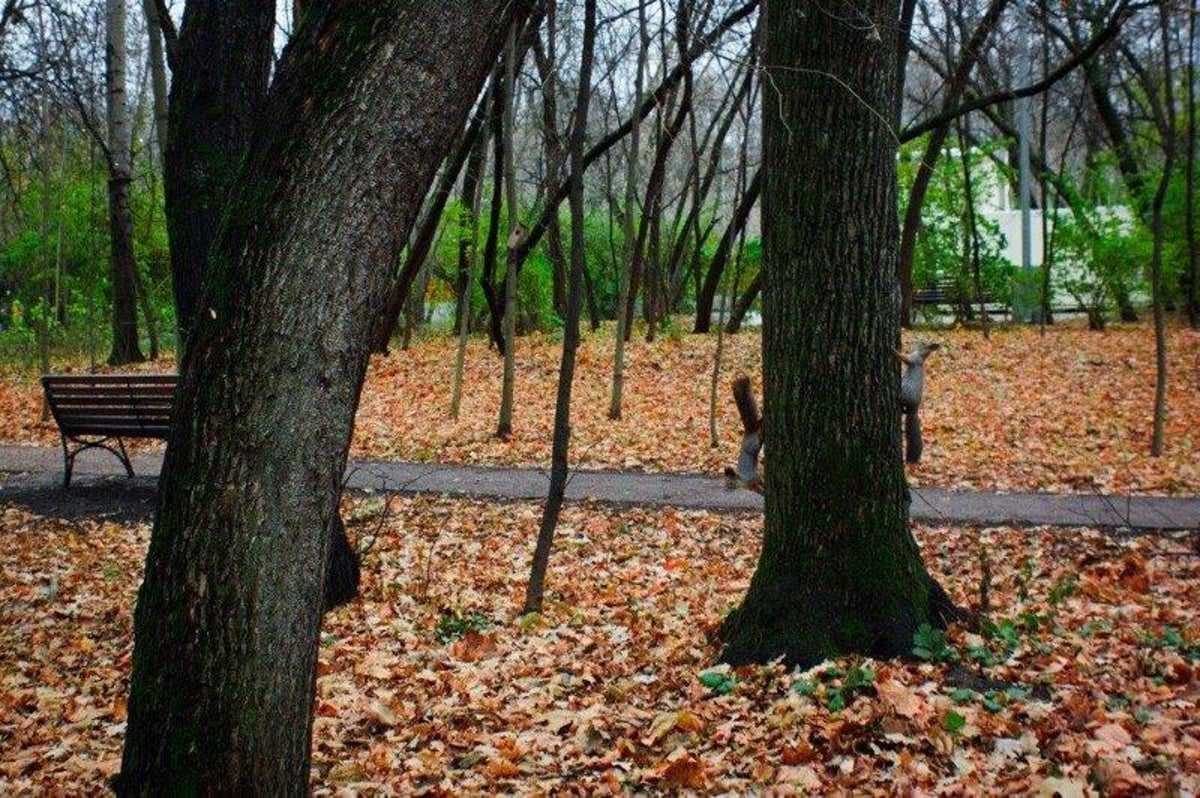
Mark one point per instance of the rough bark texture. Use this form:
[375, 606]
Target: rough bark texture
[125, 346]
[224, 50]
[839, 570]
[367, 100]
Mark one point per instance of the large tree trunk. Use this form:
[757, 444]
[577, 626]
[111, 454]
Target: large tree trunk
[224, 57]
[125, 345]
[839, 570]
[228, 616]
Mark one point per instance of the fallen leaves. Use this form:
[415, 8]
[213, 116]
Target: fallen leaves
[604, 692]
[1066, 412]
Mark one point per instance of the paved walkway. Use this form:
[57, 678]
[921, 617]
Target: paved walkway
[37, 473]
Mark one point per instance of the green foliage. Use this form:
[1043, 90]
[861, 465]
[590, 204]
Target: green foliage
[56, 258]
[954, 722]
[944, 244]
[1098, 256]
[454, 624]
[721, 682]
[931, 644]
[834, 688]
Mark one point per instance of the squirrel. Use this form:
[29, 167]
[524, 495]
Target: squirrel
[746, 474]
[912, 387]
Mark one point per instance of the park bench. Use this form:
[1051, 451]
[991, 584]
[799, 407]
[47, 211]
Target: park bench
[94, 410]
[945, 292]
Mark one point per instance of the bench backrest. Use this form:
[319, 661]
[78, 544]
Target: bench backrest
[131, 405]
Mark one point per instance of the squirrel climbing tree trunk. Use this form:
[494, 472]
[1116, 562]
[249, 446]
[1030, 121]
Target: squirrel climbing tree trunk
[912, 388]
[840, 571]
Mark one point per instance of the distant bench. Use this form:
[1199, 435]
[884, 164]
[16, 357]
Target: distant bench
[945, 292]
[92, 410]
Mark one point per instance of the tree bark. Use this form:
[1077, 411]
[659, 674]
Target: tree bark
[712, 280]
[566, 373]
[158, 76]
[125, 345]
[367, 99]
[839, 570]
[224, 55]
[624, 270]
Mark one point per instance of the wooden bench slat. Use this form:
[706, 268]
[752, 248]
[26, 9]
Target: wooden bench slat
[122, 430]
[111, 390]
[109, 378]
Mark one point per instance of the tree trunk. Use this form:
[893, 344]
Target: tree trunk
[224, 58]
[708, 291]
[1191, 270]
[158, 76]
[566, 373]
[227, 620]
[742, 306]
[423, 241]
[839, 570]
[504, 425]
[969, 55]
[624, 270]
[1167, 132]
[125, 345]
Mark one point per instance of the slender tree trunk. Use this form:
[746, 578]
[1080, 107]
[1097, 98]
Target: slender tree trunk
[1191, 271]
[968, 56]
[227, 621]
[125, 345]
[427, 231]
[468, 254]
[158, 75]
[708, 291]
[972, 230]
[566, 373]
[625, 270]
[504, 426]
[742, 306]
[715, 383]
[224, 50]
[839, 570]
[1167, 132]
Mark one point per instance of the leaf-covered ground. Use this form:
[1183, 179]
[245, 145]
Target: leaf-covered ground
[1066, 412]
[430, 683]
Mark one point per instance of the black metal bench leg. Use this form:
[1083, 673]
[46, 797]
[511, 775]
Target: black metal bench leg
[125, 458]
[68, 463]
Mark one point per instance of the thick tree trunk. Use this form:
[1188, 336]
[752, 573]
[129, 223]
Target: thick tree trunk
[125, 345]
[839, 571]
[228, 616]
[224, 50]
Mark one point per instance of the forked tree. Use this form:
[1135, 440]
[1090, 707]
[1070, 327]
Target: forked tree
[364, 105]
[839, 570]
